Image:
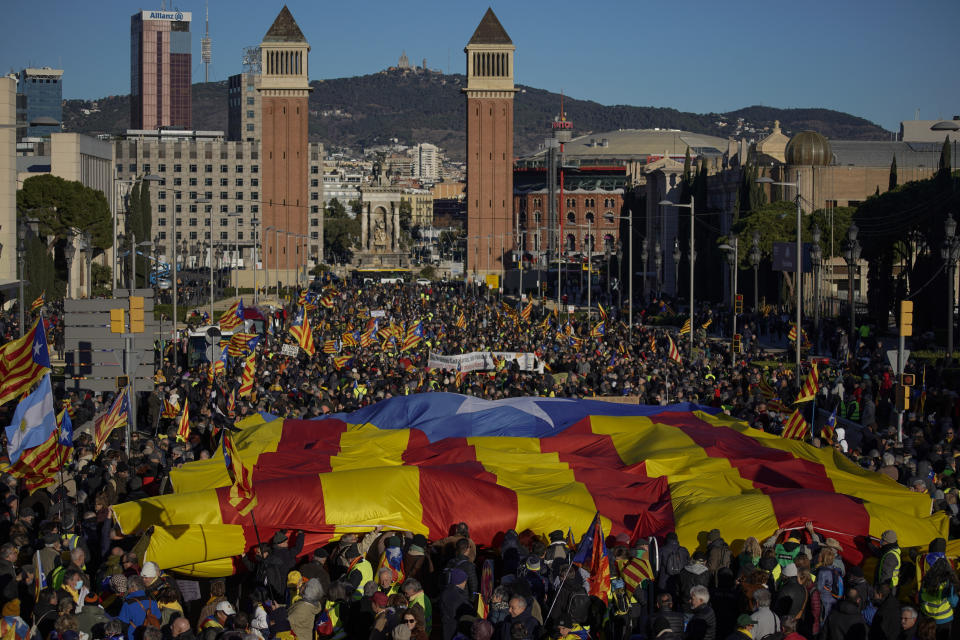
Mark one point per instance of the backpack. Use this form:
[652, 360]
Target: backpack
[718, 557]
[578, 607]
[453, 564]
[674, 563]
[836, 590]
[149, 619]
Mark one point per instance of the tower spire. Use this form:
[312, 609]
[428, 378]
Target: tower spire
[205, 48]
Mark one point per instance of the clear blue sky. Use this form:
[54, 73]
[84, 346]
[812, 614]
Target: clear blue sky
[881, 60]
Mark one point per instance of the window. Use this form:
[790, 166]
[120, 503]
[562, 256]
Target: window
[179, 222]
[162, 235]
[250, 126]
[314, 170]
[133, 167]
[254, 195]
[177, 182]
[238, 168]
[254, 208]
[177, 168]
[224, 182]
[314, 182]
[207, 208]
[224, 195]
[314, 222]
[314, 195]
[590, 217]
[571, 217]
[224, 168]
[238, 195]
[161, 208]
[161, 222]
[224, 222]
[254, 182]
[240, 235]
[315, 209]
[146, 168]
[193, 182]
[208, 182]
[608, 216]
[239, 208]
[250, 113]
[314, 235]
[208, 195]
[208, 168]
[178, 235]
[193, 235]
[239, 182]
[223, 235]
[192, 222]
[249, 100]
[206, 235]
[161, 195]
[193, 168]
[177, 209]
[224, 208]
[193, 195]
[536, 217]
[255, 168]
[162, 168]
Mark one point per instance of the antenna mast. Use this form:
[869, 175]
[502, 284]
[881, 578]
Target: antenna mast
[205, 48]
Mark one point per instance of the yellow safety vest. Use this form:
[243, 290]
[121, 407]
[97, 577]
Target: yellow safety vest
[935, 606]
[366, 574]
[895, 579]
[333, 611]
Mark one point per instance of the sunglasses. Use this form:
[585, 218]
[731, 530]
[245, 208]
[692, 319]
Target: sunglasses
[410, 620]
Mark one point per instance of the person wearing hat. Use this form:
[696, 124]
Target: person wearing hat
[358, 569]
[888, 569]
[695, 573]
[462, 560]
[791, 596]
[274, 562]
[557, 549]
[745, 626]
[939, 588]
[416, 562]
[567, 628]
[213, 626]
[136, 604]
[454, 603]
[317, 568]
[92, 617]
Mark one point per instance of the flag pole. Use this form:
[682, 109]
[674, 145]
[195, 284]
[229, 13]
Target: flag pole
[567, 572]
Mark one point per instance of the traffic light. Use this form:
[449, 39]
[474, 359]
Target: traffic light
[122, 382]
[903, 398]
[136, 314]
[738, 304]
[116, 321]
[907, 379]
[906, 317]
[737, 346]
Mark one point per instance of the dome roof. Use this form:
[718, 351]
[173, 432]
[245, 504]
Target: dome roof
[809, 148]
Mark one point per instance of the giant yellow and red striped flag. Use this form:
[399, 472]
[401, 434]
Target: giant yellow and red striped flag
[246, 378]
[797, 428]
[115, 418]
[301, 331]
[183, 427]
[527, 463]
[673, 353]
[242, 496]
[810, 386]
[232, 318]
[23, 362]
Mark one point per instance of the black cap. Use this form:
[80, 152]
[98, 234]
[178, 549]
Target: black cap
[556, 535]
[420, 540]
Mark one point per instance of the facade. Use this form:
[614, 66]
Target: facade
[427, 162]
[160, 70]
[8, 184]
[210, 189]
[592, 204]
[421, 206]
[489, 92]
[42, 88]
[922, 131]
[243, 107]
[284, 88]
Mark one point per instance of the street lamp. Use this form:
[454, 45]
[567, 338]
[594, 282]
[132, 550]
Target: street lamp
[798, 270]
[87, 246]
[21, 251]
[676, 266]
[693, 256]
[644, 256]
[255, 222]
[732, 249]
[816, 256]
[658, 263]
[69, 252]
[851, 254]
[950, 252]
[755, 257]
[236, 250]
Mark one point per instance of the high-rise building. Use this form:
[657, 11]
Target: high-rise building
[489, 93]
[284, 89]
[8, 184]
[243, 107]
[160, 67]
[43, 90]
[426, 163]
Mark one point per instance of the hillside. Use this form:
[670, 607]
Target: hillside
[372, 109]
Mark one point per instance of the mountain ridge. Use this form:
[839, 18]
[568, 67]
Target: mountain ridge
[429, 107]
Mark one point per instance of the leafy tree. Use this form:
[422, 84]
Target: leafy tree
[63, 208]
[893, 175]
[40, 271]
[341, 233]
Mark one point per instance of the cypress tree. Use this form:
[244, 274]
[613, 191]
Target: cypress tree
[893, 174]
[943, 172]
[686, 168]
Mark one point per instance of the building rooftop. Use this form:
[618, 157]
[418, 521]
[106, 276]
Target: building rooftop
[637, 144]
[284, 29]
[490, 31]
[872, 153]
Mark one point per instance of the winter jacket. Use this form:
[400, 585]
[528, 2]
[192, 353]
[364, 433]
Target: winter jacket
[302, 616]
[791, 599]
[454, 603]
[134, 610]
[886, 621]
[845, 623]
[703, 625]
[692, 575]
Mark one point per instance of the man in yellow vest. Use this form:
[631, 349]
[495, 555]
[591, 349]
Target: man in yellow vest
[888, 569]
[359, 570]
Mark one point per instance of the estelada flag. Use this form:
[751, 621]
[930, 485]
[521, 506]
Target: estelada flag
[797, 427]
[461, 321]
[673, 354]
[23, 362]
[170, 410]
[183, 427]
[242, 496]
[36, 304]
[116, 418]
[246, 378]
[232, 318]
[301, 331]
[592, 556]
[515, 458]
[810, 386]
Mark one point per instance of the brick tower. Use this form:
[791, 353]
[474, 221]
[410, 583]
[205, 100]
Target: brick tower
[284, 159]
[489, 148]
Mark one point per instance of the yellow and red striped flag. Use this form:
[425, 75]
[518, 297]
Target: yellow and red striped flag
[349, 339]
[461, 321]
[686, 327]
[115, 418]
[634, 572]
[23, 362]
[183, 427]
[653, 343]
[706, 324]
[300, 329]
[525, 314]
[246, 378]
[232, 318]
[414, 336]
[331, 346]
[242, 495]
[41, 299]
[810, 386]
[797, 427]
[673, 353]
[170, 410]
[39, 466]
[232, 404]
[241, 343]
[341, 361]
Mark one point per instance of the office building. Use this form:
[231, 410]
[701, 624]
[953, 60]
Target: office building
[8, 184]
[427, 162]
[42, 89]
[160, 70]
[284, 89]
[489, 94]
[243, 107]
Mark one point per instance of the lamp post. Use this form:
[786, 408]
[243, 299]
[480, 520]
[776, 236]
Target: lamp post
[816, 257]
[693, 256]
[619, 280]
[950, 254]
[266, 263]
[658, 263]
[255, 222]
[733, 249]
[676, 267]
[755, 263]
[644, 256]
[21, 251]
[606, 254]
[69, 253]
[851, 254]
[87, 246]
[798, 271]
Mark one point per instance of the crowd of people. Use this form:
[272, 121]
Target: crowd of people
[68, 573]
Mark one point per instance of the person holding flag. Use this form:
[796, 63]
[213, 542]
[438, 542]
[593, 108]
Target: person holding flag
[183, 427]
[301, 331]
